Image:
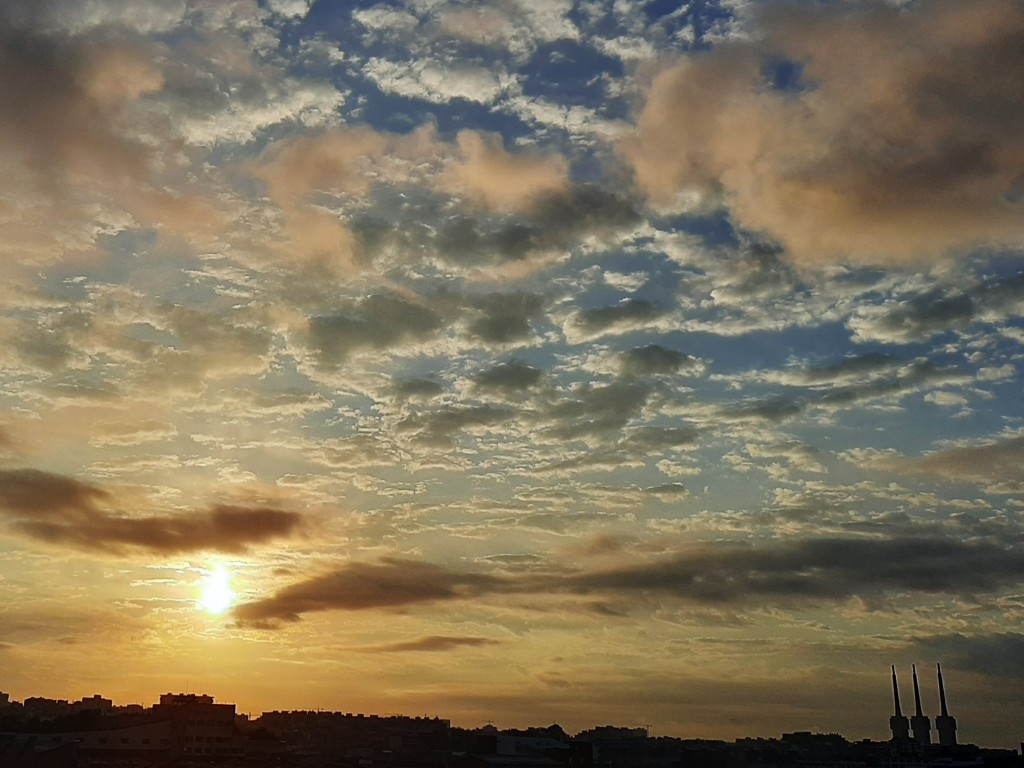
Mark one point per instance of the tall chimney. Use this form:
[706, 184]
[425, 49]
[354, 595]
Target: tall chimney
[922, 725]
[898, 724]
[944, 723]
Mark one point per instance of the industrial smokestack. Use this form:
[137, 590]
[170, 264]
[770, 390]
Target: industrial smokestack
[944, 723]
[898, 724]
[921, 725]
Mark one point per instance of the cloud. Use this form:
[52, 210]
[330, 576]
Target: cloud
[436, 643]
[502, 318]
[656, 359]
[893, 138]
[999, 655]
[485, 173]
[124, 433]
[596, 410]
[391, 583]
[628, 314]
[61, 510]
[923, 315]
[790, 573]
[508, 377]
[1001, 461]
[379, 322]
[438, 428]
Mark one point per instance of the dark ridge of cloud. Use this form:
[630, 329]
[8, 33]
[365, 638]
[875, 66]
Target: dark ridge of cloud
[643, 440]
[775, 572]
[628, 312]
[424, 389]
[946, 308]
[461, 240]
[774, 409]
[213, 333]
[61, 510]
[596, 410]
[852, 366]
[1001, 461]
[378, 322]
[36, 492]
[584, 209]
[391, 583]
[999, 655]
[654, 359]
[50, 110]
[508, 377]
[504, 317]
[438, 428]
[222, 528]
[818, 569]
[895, 144]
[435, 643]
[927, 315]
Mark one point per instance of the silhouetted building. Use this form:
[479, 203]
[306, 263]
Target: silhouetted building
[198, 725]
[920, 724]
[945, 724]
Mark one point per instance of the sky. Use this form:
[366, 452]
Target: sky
[527, 361]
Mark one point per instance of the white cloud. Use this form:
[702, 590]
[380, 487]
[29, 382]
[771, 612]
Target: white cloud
[945, 399]
[438, 82]
[291, 9]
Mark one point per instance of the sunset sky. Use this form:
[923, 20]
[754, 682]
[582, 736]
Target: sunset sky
[595, 361]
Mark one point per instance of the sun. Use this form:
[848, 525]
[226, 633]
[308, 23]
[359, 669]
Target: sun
[216, 596]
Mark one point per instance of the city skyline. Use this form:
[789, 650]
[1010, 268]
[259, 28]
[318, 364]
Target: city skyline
[903, 729]
[631, 361]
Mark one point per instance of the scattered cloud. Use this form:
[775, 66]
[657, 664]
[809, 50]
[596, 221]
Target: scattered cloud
[868, 150]
[63, 511]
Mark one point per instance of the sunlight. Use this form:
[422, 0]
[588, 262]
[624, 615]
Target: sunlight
[216, 596]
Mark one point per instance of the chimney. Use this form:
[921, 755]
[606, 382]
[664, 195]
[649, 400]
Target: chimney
[944, 724]
[898, 724]
[921, 725]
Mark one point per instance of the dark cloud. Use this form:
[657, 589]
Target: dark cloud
[668, 490]
[51, 110]
[436, 643]
[501, 318]
[584, 209]
[417, 389]
[391, 583]
[627, 313]
[596, 410]
[945, 308]
[897, 141]
[1000, 655]
[64, 511]
[773, 572]
[853, 366]
[818, 569]
[461, 240]
[508, 377]
[1001, 461]
[438, 428]
[773, 409]
[378, 322]
[34, 491]
[654, 359]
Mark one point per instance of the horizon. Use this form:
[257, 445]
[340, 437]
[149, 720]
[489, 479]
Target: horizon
[647, 727]
[583, 360]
